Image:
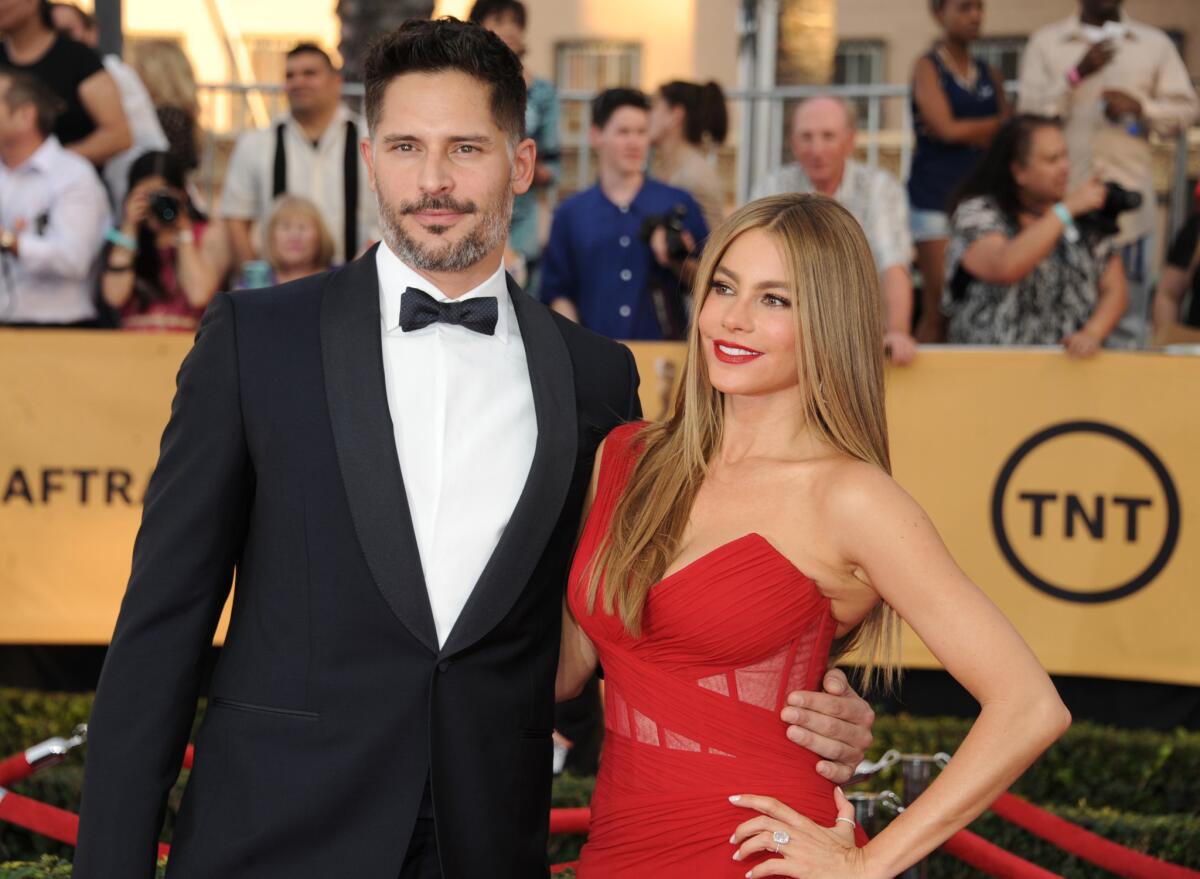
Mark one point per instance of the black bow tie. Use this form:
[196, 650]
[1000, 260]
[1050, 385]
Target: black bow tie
[418, 310]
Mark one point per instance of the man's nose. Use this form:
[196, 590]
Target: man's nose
[435, 174]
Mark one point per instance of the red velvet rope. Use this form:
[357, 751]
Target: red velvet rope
[991, 859]
[570, 820]
[14, 768]
[48, 821]
[1085, 844]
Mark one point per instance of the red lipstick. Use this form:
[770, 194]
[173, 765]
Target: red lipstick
[729, 352]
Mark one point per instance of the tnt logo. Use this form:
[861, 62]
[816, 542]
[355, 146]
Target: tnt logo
[1085, 511]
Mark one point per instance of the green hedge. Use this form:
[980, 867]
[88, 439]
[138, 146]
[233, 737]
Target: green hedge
[46, 867]
[1137, 788]
[1144, 771]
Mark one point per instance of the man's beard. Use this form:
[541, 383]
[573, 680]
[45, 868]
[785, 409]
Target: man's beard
[490, 231]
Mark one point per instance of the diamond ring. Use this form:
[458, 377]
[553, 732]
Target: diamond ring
[780, 838]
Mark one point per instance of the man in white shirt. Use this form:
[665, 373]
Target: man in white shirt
[1112, 81]
[53, 211]
[312, 151]
[144, 126]
[822, 141]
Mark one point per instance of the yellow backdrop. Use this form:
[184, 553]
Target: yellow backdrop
[1062, 488]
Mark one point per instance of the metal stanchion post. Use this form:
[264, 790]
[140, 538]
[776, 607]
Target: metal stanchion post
[918, 771]
[870, 809]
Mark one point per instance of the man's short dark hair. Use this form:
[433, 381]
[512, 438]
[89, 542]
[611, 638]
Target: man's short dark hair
[610, 101]
[307, 48]
[24, 88]
[485, 9]
[423, 46]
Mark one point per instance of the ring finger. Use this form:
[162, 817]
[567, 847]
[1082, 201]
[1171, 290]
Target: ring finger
[774, 840]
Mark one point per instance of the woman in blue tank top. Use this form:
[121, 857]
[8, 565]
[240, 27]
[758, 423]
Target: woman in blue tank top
[958, 105]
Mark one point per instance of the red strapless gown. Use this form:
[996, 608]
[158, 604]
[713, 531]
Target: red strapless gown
[692, 707]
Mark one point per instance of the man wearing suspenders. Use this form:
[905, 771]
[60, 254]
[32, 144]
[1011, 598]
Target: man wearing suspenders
[311, 151]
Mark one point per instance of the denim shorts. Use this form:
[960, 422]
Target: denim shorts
[928, 225]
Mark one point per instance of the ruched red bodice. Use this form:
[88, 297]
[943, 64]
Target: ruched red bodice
[692, 706]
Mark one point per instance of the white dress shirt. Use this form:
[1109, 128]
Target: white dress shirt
[465, 428]
[314, 171]
[872, 195]
[64, 207]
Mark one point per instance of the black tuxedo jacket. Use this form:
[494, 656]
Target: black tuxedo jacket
[332, 705]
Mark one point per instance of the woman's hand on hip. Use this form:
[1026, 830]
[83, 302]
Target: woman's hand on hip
[800, 847]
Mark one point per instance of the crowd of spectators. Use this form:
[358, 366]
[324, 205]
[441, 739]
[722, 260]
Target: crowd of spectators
[1034, 229]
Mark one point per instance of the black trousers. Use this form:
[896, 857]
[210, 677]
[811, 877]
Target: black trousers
[421, 861]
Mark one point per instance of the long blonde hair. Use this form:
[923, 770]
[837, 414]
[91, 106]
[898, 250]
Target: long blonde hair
[839, 332]
[167, 74]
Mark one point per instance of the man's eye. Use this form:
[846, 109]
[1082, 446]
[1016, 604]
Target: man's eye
[467, 148]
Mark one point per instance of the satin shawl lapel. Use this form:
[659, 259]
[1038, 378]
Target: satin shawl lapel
[352, 354]
[540, 504]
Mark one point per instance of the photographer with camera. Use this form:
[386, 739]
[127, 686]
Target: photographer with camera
[1113, 81]
[154, 270]
[1029, 263]
[619, 257]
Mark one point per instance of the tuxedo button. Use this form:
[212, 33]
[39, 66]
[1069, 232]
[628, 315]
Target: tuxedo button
[444, 665]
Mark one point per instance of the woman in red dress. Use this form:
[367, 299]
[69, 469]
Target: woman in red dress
[735, 549]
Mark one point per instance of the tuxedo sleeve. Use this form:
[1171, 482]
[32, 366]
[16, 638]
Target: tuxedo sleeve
[193, 527]
[634, 409]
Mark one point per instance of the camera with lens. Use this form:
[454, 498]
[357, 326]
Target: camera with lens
[672, 222]
[164, 206]
[1103, 222]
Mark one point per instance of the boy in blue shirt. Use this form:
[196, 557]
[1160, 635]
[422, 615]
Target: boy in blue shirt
[609, 263]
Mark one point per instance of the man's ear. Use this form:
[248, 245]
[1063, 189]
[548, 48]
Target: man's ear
[523, 163]
[367, 151]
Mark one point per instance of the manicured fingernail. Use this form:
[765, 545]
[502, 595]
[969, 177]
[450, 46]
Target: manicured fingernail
[791, 715]
[735, 798]
[737, 856]
[733, 839]
[749, 873]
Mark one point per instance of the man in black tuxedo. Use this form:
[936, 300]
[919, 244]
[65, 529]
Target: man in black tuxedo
[393, 456]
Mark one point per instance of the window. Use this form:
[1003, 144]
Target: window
[859, 62]
[1003, 53]
[593, 65]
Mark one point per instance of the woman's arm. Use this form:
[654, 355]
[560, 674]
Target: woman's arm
[1168, 298]
[997, 259]
[939, 118]
[116, 276]
[99, 96]
[1114, 299]
[1002, 102]
[197, 278]
[885, 536]
[576, 654]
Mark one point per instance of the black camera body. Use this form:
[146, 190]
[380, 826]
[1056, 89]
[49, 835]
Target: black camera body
[164, 206]
[1103, 222]
[672, 221]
